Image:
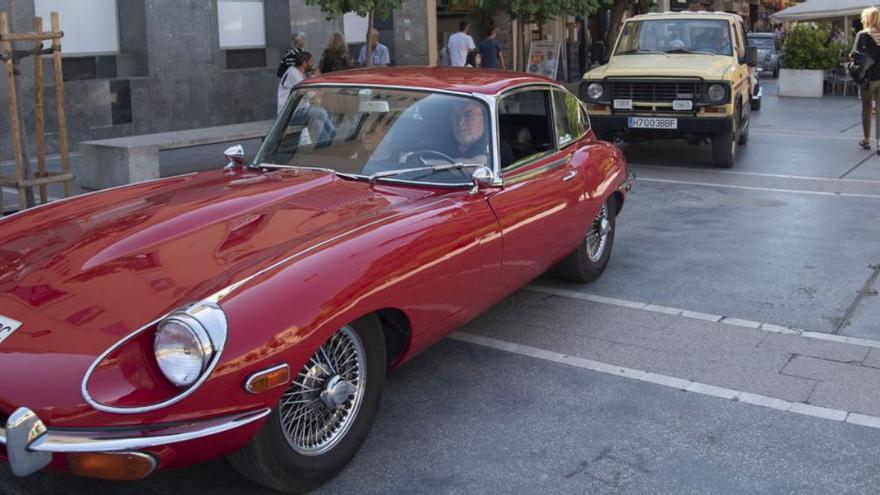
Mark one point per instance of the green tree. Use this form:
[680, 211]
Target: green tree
[369, 8]
[538, 11]
[807, 48]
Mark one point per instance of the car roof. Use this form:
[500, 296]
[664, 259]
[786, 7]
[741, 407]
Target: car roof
[456, 79]
[700, 14]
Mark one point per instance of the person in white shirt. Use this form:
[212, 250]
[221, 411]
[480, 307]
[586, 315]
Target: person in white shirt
[293, 76]
[459, 45]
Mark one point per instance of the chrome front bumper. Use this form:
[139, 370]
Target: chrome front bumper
[30, 445]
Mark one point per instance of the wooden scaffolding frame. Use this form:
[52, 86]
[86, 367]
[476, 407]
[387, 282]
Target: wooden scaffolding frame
[23, 180]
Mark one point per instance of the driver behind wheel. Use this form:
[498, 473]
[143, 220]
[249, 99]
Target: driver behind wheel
[469, 131]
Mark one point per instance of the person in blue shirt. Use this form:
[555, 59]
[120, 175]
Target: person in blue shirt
[490, 51]
[381, 56]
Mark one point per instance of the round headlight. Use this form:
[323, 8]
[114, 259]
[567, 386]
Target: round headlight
[716, 93]
[595, 91]
[183, 351]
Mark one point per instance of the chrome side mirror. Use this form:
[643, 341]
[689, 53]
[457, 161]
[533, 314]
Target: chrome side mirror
[482, 177]
[235, 155]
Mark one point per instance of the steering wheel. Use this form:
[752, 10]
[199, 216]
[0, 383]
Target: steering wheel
[422, 154]
[428, 153]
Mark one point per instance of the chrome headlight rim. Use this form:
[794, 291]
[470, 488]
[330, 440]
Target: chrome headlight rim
[213, 319]
[203, 344]
[595, 91]
[722, 97]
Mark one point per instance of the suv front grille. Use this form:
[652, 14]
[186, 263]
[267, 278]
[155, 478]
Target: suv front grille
[655, 91]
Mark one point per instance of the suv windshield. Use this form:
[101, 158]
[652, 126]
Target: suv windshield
[361, 131]
[762, 41]
[675, 36]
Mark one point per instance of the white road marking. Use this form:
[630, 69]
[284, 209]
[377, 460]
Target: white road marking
[767, 189]
[736, 322]
[661, 168]
[672, 382]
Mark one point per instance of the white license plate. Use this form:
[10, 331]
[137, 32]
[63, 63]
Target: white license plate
[683, 105]
[623, 104]
[7, 326]
[652, 123]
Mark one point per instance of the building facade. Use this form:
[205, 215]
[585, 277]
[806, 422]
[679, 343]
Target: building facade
[143, 66]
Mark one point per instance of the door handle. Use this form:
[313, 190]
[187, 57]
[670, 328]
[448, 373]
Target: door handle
[571, 175]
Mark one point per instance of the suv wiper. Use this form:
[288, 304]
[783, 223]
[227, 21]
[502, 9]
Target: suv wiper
[430, 168]
[685, 50]
[635, 52]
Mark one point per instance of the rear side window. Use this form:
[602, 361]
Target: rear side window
[525, 126]
[568, 117]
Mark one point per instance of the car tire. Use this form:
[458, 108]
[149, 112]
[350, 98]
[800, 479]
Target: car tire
[587, 262]
[276, 460]
[744, 135]
[724, 148]
[756, 105]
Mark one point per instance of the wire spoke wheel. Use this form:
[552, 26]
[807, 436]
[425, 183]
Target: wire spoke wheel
[322, 402]
[597, 237]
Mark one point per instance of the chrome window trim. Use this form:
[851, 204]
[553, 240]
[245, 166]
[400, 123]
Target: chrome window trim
[208, 315]
[120, 440]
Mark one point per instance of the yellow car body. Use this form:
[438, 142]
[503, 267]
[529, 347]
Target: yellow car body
[677, 75]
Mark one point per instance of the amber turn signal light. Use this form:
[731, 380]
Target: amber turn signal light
[714, 109]
[597, 108]
[123, 466]
[262, 381]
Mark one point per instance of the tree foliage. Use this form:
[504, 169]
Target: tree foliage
[336, 8]
[807, 47]
[538, 11]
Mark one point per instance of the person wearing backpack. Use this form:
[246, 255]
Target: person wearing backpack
[865, 53]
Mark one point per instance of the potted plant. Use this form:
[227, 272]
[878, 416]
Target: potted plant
[806, 55]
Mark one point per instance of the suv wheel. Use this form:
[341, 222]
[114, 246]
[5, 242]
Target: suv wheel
[724, 147]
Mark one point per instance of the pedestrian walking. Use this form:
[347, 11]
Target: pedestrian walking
[381, 55]
[335, 56]
[297, 45]
[490, 51]
[459, 45]
[293, 76]
[867, 50]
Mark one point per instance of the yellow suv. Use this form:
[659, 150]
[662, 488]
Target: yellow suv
[683, 75]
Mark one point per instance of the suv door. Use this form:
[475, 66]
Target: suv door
[539, 205]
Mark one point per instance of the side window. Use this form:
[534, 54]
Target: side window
[524, 125]
[568, 118]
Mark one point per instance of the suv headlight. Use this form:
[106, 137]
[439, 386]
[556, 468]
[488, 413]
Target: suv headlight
[717, 93]
[595, 91]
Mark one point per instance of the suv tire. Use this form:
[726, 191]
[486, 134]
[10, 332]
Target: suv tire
[724, 148]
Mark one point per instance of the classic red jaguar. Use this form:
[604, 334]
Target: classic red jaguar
[253, 312]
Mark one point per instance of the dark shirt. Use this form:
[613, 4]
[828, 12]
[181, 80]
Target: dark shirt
[865, 44]
[333, 60]
[287, 60]
[481, 147]
[489, 49]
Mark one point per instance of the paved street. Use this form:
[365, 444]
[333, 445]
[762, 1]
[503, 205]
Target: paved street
[732, 346]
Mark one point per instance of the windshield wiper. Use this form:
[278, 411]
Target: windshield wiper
[430, 168]
[638, 52]
[317, 169]
[685, 50]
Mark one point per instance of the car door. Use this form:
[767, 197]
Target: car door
[538, 205]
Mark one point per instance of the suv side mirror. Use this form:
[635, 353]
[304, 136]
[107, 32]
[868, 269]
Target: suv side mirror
[751, 56]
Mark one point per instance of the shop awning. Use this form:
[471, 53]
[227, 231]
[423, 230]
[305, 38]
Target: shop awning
[822, 9]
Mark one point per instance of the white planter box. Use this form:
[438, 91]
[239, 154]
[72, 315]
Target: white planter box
[801, 83]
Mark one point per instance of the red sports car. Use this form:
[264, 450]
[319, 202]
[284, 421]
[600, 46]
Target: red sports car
[253, 311]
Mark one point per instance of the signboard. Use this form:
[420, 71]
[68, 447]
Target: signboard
[543, 58]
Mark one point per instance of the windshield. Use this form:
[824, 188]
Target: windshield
[675, 36]
[762, 42]
[360, 131]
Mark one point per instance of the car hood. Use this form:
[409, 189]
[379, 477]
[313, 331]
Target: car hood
[83, 273]
[708, 67]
